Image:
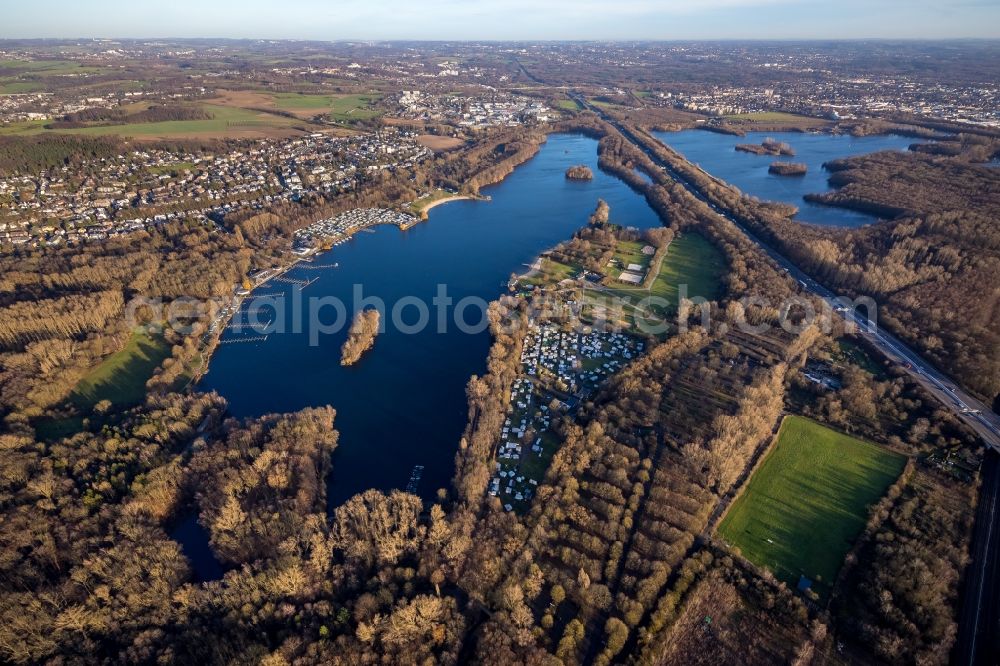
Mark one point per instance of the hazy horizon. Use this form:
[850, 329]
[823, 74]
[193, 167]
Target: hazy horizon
[515, 20]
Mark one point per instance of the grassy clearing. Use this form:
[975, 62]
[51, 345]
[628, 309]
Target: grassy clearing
[569, 104]
[849, 352]
[353, 107]
[552, 272]
[808, 501]
[121, 377]
[171, 168]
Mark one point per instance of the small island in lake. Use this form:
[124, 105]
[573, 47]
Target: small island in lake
[768, 146]
[361, 337]
[579, 172]
[788, 169]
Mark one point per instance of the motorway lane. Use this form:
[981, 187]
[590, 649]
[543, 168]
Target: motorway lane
[979, 622]
[985, 423]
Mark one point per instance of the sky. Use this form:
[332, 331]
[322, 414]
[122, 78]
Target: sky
[503, 20]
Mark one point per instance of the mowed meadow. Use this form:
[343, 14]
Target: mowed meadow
[808, 501]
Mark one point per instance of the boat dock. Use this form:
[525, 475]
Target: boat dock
[288, 280]
[312, 267]
[418, 471]
[232, 341]
[247, 326]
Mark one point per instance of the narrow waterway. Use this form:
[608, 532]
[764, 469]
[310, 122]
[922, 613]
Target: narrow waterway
[404, 403]
[716, 154]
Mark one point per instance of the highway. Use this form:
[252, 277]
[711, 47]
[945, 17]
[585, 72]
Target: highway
[970, 410]
[978, 636]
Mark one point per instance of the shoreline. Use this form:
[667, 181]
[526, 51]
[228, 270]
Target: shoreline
[422, 211]
[211, 344]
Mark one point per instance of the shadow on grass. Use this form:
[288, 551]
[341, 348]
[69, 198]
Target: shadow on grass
[120, 378]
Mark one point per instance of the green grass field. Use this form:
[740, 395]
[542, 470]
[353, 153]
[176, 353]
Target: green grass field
[303, 101]
[12, 87]
[569, 104]
[224, 119]
[691, 260]
[121, 377]
[808, 501]
[353, 107]
[47, 67]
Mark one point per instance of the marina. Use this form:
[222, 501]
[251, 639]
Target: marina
[384, 402]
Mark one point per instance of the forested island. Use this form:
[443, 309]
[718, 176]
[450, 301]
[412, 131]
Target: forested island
[579, 172]
[767, 147]
[788, 169]
[360, 338]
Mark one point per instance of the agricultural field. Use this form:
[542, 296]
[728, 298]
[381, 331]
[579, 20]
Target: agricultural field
[44, 67]
[20, 76]
[226, 122]
[339, 108]
[808, 501]
[302, 101]
[14, 87]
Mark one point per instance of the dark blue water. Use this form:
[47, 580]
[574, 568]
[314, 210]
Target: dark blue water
[194, 542]
[404, 403]
[716, 154]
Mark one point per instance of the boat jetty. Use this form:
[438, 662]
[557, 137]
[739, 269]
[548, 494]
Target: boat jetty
[414, 483]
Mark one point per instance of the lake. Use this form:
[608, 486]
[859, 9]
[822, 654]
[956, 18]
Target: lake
[403, 404]
[716, 154]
